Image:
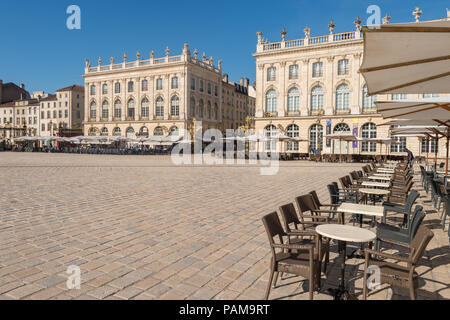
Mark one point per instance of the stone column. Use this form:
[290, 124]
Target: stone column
[304, 88]
[152, 98]
[111, 101]
[166, 90]
[123, 94]
[329, 103]
[137, 105]
[98, 95]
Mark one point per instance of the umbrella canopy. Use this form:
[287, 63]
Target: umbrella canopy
[341, 136]
[407, 58]
[429, 111]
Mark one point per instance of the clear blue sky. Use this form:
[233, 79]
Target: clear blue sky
[37, 49]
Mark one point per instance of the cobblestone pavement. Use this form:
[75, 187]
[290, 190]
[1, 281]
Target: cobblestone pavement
[141, 228]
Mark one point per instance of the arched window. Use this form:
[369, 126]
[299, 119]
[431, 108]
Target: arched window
[175, 106]
[117, 109]
[105, 89]
[292, 131]
[174, 131]
[105, 110]
[130, 109]
[92, 111]
[159, 109]
[343, 97]
[104, 131]
[341, 127]
[192, 106]
[400, 145]
[158, 131]
[368, 102]
[209, 110]
[117, 87]
[316, 137]
[92, 131]
[145, 108]
[200, 109]
[271, 101]
[130, 133]
[117, 131]
[143, 132]
[271, 131]
[293, 100]
[317, 98]
[369, 131]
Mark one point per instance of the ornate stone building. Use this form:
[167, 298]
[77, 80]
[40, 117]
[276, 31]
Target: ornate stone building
[310, 87]
[158, 96]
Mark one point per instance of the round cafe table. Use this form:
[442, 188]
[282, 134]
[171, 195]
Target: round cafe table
[344, 234]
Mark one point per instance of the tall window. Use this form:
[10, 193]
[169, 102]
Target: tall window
[209, 88]
[399, 96]
[92, 90]
[116, 131]
[192, 84]
[316, 136]
[271, 74]
[343, 97]
[104, 132]
[317, 98]
[130, 86]
[105, 89]
[145, 108]
[400, 145]
[175, 106]
[271, 131]
[292, 131]
[209, 110]
[200, 109]
[293, 100]
[216, 111]
[271, 101]
[192, 106]
[175, 83]
[159, 84]
[431, 146]
[130, 109]
[201, 86]
[368, 101]
[92, 113]
[117, 87]
[369, 131]
[144, 85]
[159, 110]
[117, 109]
[105, 110]
[293, 72]
[317, 69]
[343, 67]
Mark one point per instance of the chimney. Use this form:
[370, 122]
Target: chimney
[241, 82]
[254, 84]
[22, 86]
[247, 82]
[225, 77]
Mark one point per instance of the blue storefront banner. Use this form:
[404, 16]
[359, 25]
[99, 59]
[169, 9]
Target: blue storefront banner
[328, 132]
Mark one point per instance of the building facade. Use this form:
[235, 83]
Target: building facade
[311, 87]
[158, 96]
[64, 110]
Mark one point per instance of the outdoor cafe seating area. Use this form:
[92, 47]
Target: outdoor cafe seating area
[374, 209]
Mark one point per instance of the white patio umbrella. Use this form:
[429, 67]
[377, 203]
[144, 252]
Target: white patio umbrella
[342, 136]
[407, 58]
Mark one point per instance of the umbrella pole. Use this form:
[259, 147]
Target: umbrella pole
[446, 158]
[436, 152]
